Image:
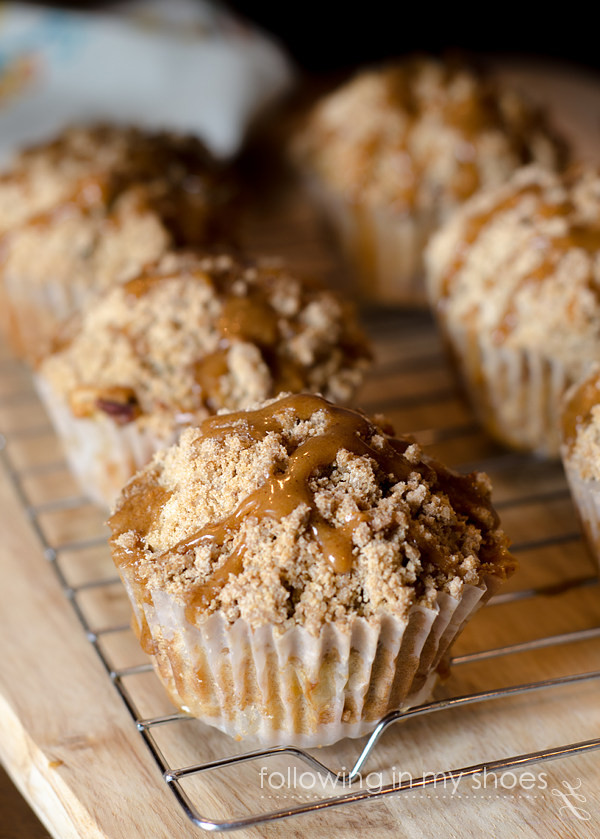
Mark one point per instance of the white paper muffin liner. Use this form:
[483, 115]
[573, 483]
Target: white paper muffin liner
[32, 312]
[102, 454]
[289, 687]
[383, 248]
[586, 497]
[516, 394]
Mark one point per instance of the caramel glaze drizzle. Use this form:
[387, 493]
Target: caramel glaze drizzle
[586, 238]
[282, 493]
[473, 227]
[247, 317]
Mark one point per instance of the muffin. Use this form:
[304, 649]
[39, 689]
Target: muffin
[515, 278]
[580, 451]
[187, 337]
[92, 208]
[393, 152]
[295, 573]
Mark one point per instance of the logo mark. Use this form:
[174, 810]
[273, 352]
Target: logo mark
[568, 798]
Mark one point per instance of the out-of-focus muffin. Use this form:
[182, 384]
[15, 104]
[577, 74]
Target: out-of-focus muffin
[188, 337]
[92, 208]
[515, 280]
[580, 452]
[394, 151]
[295, 573]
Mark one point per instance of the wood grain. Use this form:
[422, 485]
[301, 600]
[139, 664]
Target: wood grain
[71, 747]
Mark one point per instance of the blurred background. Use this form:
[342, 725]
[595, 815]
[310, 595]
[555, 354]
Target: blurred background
[325, 36]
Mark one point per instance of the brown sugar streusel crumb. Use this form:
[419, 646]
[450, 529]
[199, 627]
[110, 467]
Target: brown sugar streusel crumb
[88, 170]
[97, 204]
[421, 133]
[193, 335]
[298, 512]
[520, 266]
[92, 209]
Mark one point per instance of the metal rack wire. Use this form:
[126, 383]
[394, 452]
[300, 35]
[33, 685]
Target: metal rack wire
[174, 775]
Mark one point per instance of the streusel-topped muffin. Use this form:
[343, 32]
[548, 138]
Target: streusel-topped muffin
[92, 208]
[515, 279]
[184, 339]
[394, 151]
[296, 573]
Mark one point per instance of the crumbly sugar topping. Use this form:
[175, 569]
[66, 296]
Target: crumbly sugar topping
[520, 266]
[193, 335]
[422, 135]
[101, 202]
[299, 512]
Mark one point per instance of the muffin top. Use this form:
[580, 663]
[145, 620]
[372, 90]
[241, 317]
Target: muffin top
[520, 265]
[301, 512]
[422, 135]
[581, 426]
[88, 169]
[98, 203]
[193, 334]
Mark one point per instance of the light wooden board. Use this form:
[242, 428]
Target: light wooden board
[69, 743]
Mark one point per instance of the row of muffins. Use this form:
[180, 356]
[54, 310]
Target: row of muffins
[446, 188]
[294, 571]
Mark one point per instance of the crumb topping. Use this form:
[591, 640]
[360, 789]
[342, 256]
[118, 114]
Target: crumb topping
[422, 135]
[194, 334]
[520, 266]
[299, 511]
[102, 201]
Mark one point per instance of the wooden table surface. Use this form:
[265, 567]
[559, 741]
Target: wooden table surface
[69, 743]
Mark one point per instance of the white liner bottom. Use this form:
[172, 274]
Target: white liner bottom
[102, 454]
[290, 687]
[516, 394]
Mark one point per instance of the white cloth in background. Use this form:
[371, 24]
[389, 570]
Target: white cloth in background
[183, 65]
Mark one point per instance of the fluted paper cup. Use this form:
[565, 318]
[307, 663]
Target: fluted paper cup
[277, 686]
[516, 394]
[384, 248]
[32, 311]
[102, 455]
[586, 497]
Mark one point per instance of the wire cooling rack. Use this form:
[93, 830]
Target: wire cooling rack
[344, 786]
